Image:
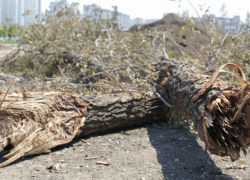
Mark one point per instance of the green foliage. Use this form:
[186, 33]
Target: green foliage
[13, 30]
[182, 30]
[10, 42]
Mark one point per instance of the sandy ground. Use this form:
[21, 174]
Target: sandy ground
[5, 50]
[146, 153]
[141, 153]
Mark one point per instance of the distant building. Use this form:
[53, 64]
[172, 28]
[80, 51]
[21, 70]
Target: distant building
[12, 11]
[93, 11]
[125, 20]
[75, 6]
[231, 25]
[0, 12]
[58, 5]
[20, 11]
[33, 6]
[137, 21]
[55, 6]
[9, 11]
[151, 20]
[107, 14]
[40, 10]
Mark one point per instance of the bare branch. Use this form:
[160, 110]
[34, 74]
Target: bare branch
[220, 46]
[163, 48]
[7, 92]
[61, 72]
[163, 100]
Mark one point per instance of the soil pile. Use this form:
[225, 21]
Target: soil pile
[189, 40]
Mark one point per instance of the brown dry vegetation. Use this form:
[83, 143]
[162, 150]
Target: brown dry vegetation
[87, 57]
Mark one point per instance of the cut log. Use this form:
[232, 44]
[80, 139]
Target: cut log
[113, 111]
[34, 122]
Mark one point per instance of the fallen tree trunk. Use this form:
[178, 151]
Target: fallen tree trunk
[34, 122]
[114, 111]
[221, 112]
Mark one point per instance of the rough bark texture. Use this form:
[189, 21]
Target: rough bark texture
[220, 114]
[120, 110]
[35, 122]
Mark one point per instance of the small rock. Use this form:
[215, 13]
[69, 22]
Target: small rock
[202, 176]
[237, 178]
[53, 167]
[223, 177]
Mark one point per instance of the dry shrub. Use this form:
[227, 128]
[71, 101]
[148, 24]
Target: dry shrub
[87, 56]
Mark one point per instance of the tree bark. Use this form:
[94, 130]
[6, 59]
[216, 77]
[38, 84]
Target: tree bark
[114, 111]
[34, 122]
[219, 110]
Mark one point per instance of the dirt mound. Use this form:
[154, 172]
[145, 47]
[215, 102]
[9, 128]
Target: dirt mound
[173, 19]
[168, 19]
[189, 40]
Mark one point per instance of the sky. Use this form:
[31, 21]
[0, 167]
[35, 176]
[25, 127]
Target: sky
[154, 9]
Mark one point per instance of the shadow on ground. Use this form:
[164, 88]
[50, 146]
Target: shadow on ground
[141, 153]
[180, 156]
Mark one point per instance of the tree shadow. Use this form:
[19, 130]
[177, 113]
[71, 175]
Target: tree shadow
[180, 156]
[178, 152]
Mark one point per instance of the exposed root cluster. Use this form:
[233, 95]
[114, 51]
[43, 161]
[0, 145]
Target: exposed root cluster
[226, 121]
